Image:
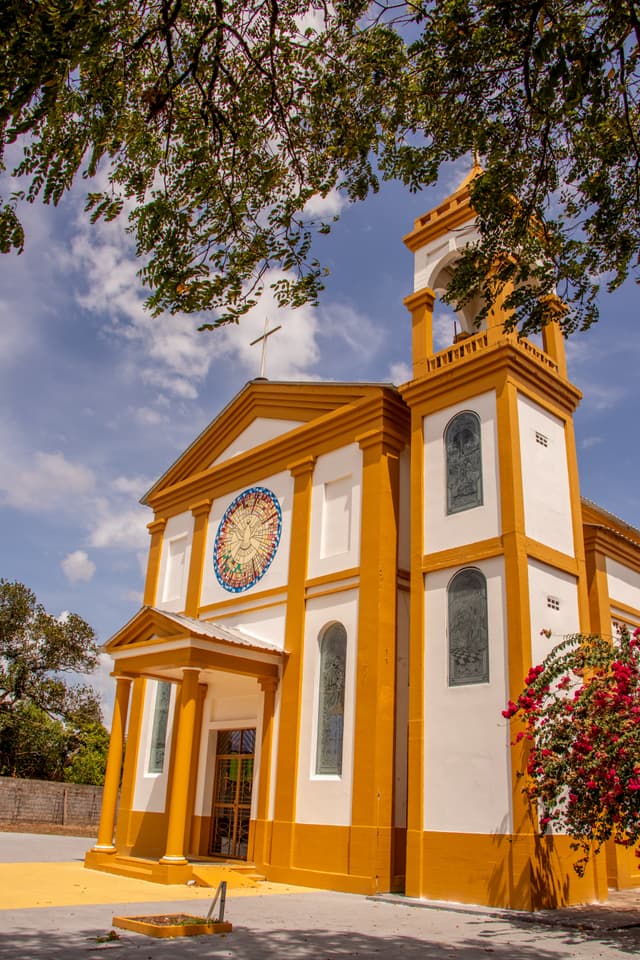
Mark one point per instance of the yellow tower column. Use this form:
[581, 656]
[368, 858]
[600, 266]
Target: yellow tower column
[156, 529]
[372, 808]
[200, 513]
[178, 788]
[420, 306]
[291, 682]
[262, 835]
[114, 763]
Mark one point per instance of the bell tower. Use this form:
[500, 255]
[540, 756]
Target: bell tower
[497, 556]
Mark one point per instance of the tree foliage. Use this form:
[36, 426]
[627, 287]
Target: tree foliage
[48, 720]
[579, 713]
[210, 124]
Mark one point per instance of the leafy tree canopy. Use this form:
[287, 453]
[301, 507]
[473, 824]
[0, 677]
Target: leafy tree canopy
[47, 720]
[212, 123]
[579, 713]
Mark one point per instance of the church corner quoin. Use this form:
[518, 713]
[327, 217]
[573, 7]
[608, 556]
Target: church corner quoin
[287, 689]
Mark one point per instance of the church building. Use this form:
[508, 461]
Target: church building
[346, 583]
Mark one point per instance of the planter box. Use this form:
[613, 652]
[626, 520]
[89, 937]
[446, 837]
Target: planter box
[172, 925]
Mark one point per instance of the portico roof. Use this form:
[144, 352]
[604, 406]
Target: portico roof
[155, 642]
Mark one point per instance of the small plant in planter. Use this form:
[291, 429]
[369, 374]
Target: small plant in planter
[166, 925]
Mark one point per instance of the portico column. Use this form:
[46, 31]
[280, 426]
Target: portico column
[178, 789]
[263, 832]
[114, 764]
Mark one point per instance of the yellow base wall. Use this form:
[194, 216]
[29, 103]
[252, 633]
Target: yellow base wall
[351, 859]
[519, 873]
[623, 867]
[146, 835]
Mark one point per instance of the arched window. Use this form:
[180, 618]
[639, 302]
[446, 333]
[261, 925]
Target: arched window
[468, 628]
[464, 462]
[159, 730]
[333, 663]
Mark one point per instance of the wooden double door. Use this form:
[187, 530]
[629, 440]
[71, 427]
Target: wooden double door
[235, 755]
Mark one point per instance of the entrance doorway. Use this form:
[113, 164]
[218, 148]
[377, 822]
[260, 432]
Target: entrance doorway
[233, 782]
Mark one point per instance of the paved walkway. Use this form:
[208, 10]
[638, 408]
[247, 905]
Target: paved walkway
[51, 908]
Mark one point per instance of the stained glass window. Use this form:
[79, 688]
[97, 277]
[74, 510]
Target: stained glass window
[333, 662]
[159, 731]
[464, 462]
[468, 629]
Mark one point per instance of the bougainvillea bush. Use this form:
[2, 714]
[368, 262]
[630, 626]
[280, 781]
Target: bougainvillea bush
[579, 713]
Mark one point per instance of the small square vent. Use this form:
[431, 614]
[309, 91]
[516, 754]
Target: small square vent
[553, 603]
[542, 439]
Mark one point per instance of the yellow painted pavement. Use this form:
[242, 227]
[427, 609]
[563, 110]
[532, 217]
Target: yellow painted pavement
[70, 884]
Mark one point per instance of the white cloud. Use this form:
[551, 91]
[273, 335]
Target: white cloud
[588, 442]
[443, 326]
[400, 373]
[329, 206]
[132, 486]
[340, 322]
[104, 685]
[119, 527]
[16, 335]
[165, 351]
[77, 566]
[291, 352]
[42, 482]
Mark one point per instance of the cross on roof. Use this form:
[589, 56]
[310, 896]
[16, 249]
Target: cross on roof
[263, 338]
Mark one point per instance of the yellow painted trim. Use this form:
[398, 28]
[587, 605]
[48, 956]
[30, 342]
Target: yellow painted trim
[180, 777]
[291, 681]
[200, 514]
[352, 573]
[231, 613]
[553, 558]
[601, 518]
[633, 612]
[614, 545]
[373, 792]
[345, 588]
[197, 659]
[132, 751]
[459, 556]
[415, 748]
[114, 764]
[245, 602]
[156, 529]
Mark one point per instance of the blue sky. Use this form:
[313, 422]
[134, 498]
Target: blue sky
[99, 398]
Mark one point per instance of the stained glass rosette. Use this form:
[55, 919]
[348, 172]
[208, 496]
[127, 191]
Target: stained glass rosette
[247, 539]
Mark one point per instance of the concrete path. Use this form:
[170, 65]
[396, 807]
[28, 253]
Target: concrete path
[280, 923]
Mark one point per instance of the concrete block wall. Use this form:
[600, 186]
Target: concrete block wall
[44, 801]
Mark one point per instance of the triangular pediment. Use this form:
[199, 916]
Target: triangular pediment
[261, 413]
[151, 626]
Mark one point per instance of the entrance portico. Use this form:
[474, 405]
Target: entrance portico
[201, 661]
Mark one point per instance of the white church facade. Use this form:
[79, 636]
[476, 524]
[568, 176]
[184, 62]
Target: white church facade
[346, 584]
